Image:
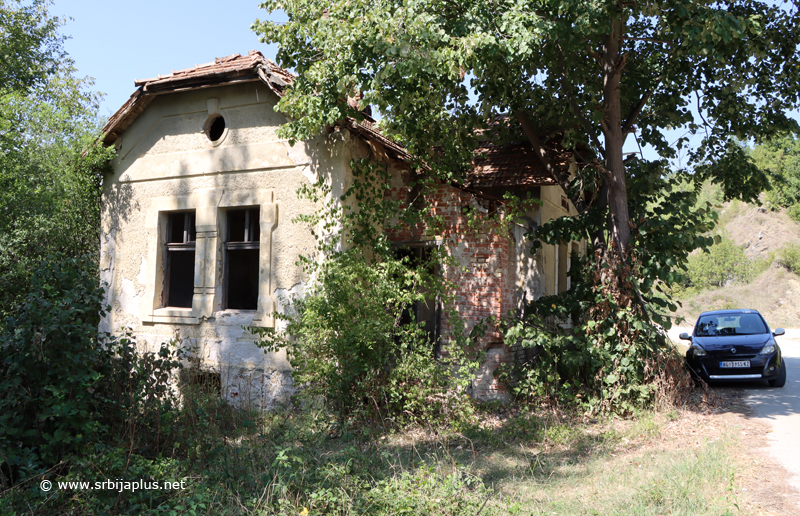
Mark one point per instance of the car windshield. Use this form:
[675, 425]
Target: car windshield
[729, 324]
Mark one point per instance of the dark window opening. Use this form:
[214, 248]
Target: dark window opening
[242, 248]
[428, 310]
[563, 268]
[205, 382]
[216, 126]
[179, 270]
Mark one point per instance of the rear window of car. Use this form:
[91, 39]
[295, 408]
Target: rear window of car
[730, 324]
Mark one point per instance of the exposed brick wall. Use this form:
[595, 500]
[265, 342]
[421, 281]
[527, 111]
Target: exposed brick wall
[484, 281]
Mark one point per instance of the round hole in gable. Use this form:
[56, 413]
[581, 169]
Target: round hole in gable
[215, 128]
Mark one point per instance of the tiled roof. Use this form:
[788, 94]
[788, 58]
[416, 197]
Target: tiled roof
[224, 67]
[223, 70]
[495, 165]
[512, 164]
[226, 70]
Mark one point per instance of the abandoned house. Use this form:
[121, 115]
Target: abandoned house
[198, 243]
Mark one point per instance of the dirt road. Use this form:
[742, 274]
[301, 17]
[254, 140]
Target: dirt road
[777, 408]
[780, 408]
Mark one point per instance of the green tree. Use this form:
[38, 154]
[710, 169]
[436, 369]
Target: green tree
[601, 69]
[441, 72]
[31, 49]
[50, 153]
[780, 158]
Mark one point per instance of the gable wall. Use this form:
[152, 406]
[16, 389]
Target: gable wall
[165, 163]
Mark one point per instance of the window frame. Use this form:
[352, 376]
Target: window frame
[252, 241]
[209, 206]
[186, 245]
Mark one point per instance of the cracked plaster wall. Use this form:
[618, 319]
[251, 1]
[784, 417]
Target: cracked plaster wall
[165, 153]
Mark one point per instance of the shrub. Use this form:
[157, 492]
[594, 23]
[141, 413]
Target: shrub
[353, 338]
[724, 263]
[51, 366]
[61, 387]
[779, 158]
[789, 257]
[346, 342]
[794, 212]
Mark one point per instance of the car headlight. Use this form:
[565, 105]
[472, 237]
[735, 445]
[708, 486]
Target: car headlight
[698, 351]
[769, 348]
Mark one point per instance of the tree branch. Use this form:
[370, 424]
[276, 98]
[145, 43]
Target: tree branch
[560, 176]
[700, 112]
[628, 125]
[649, 40]
[575, 108]
[637, 109]
[593, 54]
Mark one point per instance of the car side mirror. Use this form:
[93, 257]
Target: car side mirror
[685, 336]
[777, 332]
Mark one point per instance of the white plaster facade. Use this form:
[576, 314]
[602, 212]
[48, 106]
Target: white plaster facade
[166, 163]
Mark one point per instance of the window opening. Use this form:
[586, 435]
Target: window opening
[180, 251]
[201, 382]
[242, 249]
[215, 127]
[563, 268]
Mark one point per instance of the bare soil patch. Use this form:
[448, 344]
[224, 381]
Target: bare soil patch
[757, 229]
[761, 483]
[774, 293]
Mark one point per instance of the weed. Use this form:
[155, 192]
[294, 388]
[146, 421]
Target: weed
[789, 257]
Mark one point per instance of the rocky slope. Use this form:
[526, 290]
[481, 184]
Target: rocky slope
[776, 292]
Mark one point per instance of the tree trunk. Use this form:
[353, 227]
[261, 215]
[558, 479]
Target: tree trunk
[613, 64]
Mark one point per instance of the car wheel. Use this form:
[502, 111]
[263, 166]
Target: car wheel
[780, 381]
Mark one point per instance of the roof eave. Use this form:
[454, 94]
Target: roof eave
[145, 94]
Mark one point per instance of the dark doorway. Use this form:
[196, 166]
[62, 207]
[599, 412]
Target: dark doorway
[426, 311]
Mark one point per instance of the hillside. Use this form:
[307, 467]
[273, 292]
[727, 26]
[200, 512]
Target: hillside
[776, 291]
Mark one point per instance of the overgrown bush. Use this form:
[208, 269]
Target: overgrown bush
[613, 361]
[346, 341]
[789, 257]
[780, 158]
[352, 337]
[51, 162]
[725, 262]
[602, 343]
[794, 212]
[62, 388]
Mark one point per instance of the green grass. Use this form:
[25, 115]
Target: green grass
[534, 462]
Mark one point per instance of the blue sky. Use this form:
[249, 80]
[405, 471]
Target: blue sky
[117, 42]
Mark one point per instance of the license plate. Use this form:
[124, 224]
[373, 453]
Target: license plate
[737, 363]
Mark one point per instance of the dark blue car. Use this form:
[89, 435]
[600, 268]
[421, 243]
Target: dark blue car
[735, 345]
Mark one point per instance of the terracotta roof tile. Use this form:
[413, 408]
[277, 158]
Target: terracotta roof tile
[220, 66]
[495, 165]
[511, 164]
[223, 70]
